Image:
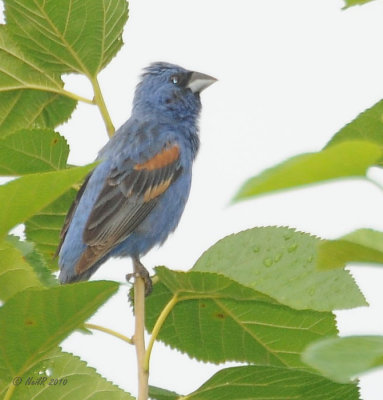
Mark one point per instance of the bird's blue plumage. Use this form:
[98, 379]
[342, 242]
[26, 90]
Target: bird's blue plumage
[135, 197]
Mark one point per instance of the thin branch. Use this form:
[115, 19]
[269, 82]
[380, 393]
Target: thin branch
[157, 327]
[139, 339]
[60, 90]
[76, 97]
[109, 331]
[10, 391]
[99, 101]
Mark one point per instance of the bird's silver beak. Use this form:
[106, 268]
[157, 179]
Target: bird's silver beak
[199, 82]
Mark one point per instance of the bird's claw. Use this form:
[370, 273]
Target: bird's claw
[141, 272]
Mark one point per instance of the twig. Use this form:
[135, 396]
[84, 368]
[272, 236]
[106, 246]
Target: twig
[63, 92]
[99, 101]
[10, 391]
[157, 327]
[139, 339]
[76, 97]
[109, 331]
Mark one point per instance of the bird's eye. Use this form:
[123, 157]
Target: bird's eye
[175, 79]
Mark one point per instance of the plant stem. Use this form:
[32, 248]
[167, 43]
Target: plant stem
[139, 339]
[99, 101]
[62, 92]
[157, 327]
[110, 332]
[10, 391]
[76, 97]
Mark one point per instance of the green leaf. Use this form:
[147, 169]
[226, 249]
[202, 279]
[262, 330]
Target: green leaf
[70, 36]
[194, 284]
[362, 245]
[347, 159]
[33, 109]
[18, 71]
[35, 260]
[45, 317]
[342, 359]
[62, 373]
[367, 126]
[29, 151]
[25, 196]
[350, 3]
[216, 319]
[366, 237]
[29, 95]
[15, 272]
[271, 383]
[44, 227]
[281, 263]
[156, 393]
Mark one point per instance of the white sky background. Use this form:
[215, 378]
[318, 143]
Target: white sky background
[291, 73]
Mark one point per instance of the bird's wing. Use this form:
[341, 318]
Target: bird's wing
[128, 196]
[70, 214]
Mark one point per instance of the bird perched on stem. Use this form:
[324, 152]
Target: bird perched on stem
[135, 196]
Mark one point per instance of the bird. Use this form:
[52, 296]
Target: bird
[135, 196]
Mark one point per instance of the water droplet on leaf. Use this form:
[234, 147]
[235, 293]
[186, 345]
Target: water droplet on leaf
[292, 248]
[268, 262]
[287, 236]
[277, 257]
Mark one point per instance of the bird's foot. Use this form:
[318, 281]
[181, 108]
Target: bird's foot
[141, 272]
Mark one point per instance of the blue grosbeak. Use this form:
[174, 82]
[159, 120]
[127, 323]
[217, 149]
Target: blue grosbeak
[135, 196]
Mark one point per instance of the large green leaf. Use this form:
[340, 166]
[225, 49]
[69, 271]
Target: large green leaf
[216, 319]
[192, 284]
[61, 375]
[44, 227]
[44, 318]
[366, 237]
[30, 151]
[27, 108]
[70, 35]
[271, 383]
[24, 197]
[35, 260]
[342, 359]
[19, 71]
[347, 159]
[350, 3]
[367, 126]
[281, 263]
[29, 95]
[363, 245]
[350, 152]
[156, 393]
[16, 274]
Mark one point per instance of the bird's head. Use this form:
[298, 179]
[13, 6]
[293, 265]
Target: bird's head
[169, 91]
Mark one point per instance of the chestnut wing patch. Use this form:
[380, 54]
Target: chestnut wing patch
[160, 160]
[125, 201]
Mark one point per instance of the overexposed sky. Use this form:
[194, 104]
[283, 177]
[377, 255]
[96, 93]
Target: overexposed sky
[291, 73]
